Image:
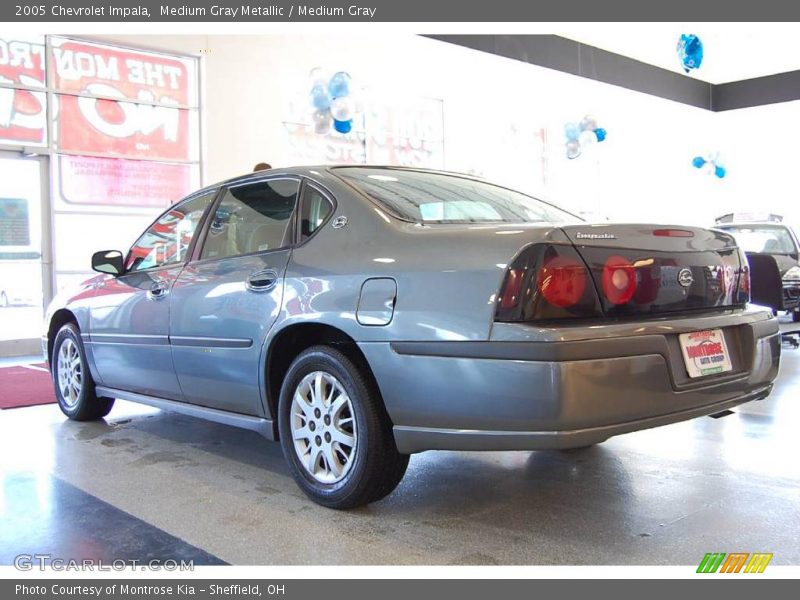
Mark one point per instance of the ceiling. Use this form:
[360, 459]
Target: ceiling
[732, 51]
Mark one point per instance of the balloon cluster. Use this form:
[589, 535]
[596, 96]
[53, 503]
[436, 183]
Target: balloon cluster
[581, 135]
[714, 165]
[331, 99]
[690, 51]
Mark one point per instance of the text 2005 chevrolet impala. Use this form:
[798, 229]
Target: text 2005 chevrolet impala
[360, 314]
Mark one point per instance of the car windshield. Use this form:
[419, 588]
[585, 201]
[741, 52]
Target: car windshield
[427, 197]
[766, 239]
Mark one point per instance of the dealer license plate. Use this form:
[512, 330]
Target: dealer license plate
[705, 352]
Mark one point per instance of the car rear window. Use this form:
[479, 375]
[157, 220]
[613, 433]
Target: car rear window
[428, 197]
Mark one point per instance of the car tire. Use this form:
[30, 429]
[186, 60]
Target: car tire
[3, 300]
[73, 383]
[796, 316]
[335, 433]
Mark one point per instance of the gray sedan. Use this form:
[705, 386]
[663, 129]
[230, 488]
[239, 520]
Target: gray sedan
[361, 314]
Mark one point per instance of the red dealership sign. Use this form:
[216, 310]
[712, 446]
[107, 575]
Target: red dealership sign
[110, 100]
[134, 129]
[22, 112]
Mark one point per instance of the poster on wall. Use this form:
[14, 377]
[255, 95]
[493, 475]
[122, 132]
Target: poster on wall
[90, 180]
[391, 131]
[14, 222]
[94, 115]
[22, 111]
[407, 132]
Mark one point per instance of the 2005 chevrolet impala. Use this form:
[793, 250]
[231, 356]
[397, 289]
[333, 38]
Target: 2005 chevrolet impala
[360, 314]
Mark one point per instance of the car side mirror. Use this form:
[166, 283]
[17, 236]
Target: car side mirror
[108, 261]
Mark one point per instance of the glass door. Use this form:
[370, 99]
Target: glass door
[22, 293]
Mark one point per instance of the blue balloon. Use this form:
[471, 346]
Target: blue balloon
[343, 126]
[600, 133]
[698, 162]
[339, 85]
[720, 171]
[320, 98]
[690, 51]
[572, 131]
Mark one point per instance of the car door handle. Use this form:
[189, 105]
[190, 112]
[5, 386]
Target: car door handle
[158, 291]
[262, 281]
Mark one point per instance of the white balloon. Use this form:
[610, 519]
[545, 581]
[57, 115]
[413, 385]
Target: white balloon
[587, 138]
[573, 149]
[319, 76]
[342, 109]
[588, 123]
[322, 121]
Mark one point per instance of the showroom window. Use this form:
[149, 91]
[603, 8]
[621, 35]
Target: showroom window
[255, 217]
[113, 133]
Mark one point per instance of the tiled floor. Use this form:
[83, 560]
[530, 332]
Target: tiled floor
[192, 488]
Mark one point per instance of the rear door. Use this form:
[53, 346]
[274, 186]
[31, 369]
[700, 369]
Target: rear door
[224, 302]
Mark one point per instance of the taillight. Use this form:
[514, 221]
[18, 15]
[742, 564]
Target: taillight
[619, 280]
[562, 281]
[547, 282]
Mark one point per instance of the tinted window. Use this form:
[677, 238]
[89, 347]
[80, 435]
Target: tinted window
[764, 238]
[427, 197]
[167, 241]
[315, 208]
[254, 217]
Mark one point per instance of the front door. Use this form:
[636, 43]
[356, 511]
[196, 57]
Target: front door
[224, 304]
[129, 315]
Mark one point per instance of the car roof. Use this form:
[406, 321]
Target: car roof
[312, 170]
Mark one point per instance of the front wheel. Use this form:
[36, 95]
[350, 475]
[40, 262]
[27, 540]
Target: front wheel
[335, 433]
[73, 382]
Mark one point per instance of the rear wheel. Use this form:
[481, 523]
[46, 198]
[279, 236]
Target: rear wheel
[335, 433]
[73, 382]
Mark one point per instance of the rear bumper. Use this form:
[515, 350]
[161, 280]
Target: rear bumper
[417, 439]
[534, 388]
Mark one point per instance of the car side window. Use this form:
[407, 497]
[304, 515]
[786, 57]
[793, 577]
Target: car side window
[254, 217]
[167, 241]
[314, 209]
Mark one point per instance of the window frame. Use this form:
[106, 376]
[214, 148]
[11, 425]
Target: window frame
[197, 251]
[192, 245]
[328, 195]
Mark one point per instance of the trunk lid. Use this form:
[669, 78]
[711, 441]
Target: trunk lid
[649, 269]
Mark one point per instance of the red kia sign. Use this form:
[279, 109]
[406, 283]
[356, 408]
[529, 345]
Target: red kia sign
[110, 100]
[22, 112]
[111, 125]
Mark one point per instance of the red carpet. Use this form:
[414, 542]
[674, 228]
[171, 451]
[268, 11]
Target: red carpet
[20, 386]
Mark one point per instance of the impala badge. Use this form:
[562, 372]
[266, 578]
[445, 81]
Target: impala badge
[685, 277]
[339, 222]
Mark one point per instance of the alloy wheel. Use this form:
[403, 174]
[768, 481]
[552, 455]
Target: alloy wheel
[70, 372]
[323, 427]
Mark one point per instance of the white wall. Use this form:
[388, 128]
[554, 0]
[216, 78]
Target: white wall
[493, 109]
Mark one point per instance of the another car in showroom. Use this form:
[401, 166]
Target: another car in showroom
[769, 235]
[361, 314]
